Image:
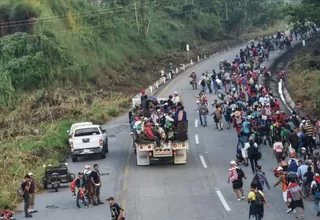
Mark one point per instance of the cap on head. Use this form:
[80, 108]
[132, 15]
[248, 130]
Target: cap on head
[279, 168]
[110, 198]
[87, 167]
[232, 162]
[30, 174]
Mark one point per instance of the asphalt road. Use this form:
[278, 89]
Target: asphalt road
[195, 191]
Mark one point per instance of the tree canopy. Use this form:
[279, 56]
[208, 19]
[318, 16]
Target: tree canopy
[307, 11]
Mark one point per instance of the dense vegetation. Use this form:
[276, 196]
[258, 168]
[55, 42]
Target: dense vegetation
[75, 42]
[80, 59]
[305, 67]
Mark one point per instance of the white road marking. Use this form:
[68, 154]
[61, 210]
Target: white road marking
[204, 164]
[196, 123]
[196, 138]
[223, 201]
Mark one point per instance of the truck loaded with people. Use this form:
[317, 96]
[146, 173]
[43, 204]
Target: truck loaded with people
[159, 129]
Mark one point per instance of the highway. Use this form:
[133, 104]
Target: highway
[195, 191]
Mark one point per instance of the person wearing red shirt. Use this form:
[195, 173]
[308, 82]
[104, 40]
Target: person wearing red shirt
[149, 132]
[276, 105]
[294, 197]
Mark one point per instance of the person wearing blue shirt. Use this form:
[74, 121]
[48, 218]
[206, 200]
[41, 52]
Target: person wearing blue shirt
[180, 115]
[302, 169]
[245, 127]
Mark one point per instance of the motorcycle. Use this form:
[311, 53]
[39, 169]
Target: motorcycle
[55, 181]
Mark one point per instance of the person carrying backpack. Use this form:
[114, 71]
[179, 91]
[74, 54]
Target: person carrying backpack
[295, 194]
[293, 163]
[236, 175]
[253, 153]
[257, 200]
[260, 179]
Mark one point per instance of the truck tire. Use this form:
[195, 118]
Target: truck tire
[107, 148]
[45, 184]
[74, 158]
[103, 154]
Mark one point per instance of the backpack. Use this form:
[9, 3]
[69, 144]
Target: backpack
[73, 186]
[293, 166]
[256, 181]
[259, 199]
[87, 176]
[253, 151]
[20, 191]
[240, 173]
[203, 82]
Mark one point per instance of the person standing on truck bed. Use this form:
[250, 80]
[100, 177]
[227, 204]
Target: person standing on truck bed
[97, 184]
[180, 115]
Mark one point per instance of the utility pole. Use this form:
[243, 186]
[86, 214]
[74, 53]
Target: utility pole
[227, 17]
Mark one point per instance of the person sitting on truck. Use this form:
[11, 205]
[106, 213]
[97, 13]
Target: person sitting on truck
[149, 132]
[169, 121]
[180, 115]
[161, 132]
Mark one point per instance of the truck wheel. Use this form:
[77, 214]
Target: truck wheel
[107, 148]
[74, 158]
[45, 184]
[103, 154]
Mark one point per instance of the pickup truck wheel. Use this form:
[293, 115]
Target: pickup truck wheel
[74, 158]
[107, 148]
[103, 154]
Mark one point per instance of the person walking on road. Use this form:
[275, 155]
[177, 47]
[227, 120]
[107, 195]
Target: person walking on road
[277, 150]
[80, 183]
[32, 193]
[283, 181]
[117, 213]
[203, 110]
[87, 183]
[193, 81]
[253, 153]
[257, 200]
[260, 179]
[25, 186]
[97, 184]
[236, 176]
[295, 194]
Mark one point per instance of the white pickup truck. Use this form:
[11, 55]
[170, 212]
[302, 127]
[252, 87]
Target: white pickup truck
[88, 139]
[74, 126]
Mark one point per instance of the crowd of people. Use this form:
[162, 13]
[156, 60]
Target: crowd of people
[256, 115]
[159, 121]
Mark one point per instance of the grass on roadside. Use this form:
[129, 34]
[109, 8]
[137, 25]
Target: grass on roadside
[24, 154]
[303, 78]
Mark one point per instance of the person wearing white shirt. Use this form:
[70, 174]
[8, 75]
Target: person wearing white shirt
[176, 98]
